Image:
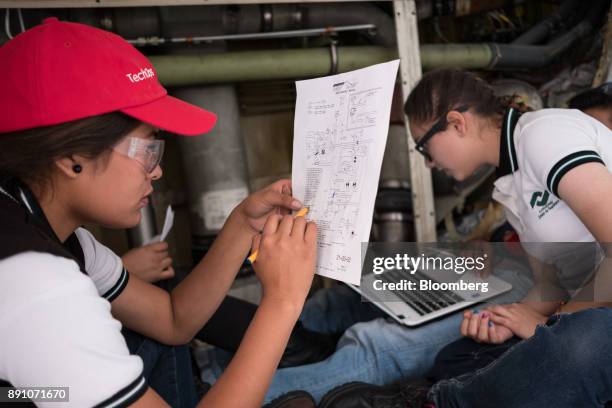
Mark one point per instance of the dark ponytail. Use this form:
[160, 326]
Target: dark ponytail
[441, 91]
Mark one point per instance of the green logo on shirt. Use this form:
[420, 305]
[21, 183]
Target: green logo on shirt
[542, 201]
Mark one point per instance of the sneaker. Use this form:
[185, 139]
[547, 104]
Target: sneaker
[362, 395]
[293, 399]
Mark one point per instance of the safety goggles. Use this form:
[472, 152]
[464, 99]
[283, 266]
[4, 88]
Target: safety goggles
[437, 127]
[147, 152]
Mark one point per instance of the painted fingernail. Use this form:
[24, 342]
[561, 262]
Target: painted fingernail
[484, 315]
[475, 311]
[490, 323]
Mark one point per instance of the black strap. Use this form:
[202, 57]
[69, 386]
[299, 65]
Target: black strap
[24, 221]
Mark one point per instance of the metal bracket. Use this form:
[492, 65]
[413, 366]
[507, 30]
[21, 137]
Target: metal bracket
[333, 53]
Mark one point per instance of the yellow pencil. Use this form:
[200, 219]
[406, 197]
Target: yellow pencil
[300, 213]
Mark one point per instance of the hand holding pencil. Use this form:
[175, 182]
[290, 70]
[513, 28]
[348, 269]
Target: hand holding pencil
[260, 205]
[300, 213]
[286, 257]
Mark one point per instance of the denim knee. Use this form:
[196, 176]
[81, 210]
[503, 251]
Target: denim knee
[580, 338]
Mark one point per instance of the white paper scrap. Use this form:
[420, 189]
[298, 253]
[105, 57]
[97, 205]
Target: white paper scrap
[340, 132]
[168, 223]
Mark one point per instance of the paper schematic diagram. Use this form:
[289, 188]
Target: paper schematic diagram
[341, 126]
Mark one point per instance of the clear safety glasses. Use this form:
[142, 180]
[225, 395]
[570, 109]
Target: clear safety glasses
[147, 152]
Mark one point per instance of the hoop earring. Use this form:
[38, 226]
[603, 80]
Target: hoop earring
[77, 168]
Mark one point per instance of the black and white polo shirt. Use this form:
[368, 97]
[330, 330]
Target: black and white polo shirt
[56, 328]
[537, 150]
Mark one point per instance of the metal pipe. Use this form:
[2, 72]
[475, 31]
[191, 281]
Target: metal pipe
[543, 29]
[191, 22]
[534, 56]
[458, 8]
[310, 32]
[317, 15]
[468, 56]
[179, 70]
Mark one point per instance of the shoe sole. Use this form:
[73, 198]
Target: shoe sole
[328, 399]
[288, 397]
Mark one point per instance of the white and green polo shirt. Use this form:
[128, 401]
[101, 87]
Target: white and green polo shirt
[537, 150]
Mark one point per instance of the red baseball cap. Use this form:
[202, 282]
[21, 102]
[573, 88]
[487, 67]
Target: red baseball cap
[58, 71]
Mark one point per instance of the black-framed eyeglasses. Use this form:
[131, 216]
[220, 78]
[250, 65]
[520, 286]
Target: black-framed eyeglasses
[437, 127]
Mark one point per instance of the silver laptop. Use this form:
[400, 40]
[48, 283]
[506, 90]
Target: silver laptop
[415, 307]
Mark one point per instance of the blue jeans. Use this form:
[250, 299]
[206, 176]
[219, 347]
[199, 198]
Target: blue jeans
[466, 356]
[373, 349]
[167, 369]
[566, 363]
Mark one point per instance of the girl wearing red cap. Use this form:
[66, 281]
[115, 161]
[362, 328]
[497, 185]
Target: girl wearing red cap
[79, 112]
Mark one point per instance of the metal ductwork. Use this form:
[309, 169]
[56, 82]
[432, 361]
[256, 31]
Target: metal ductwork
[302, 63]
[215, 163]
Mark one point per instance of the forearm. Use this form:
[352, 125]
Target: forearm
[255, 362]
[596, 293]
[533, 299]
[573, 306]
[546, 295]
[197, 297]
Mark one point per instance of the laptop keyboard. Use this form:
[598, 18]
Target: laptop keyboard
[423, 302]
